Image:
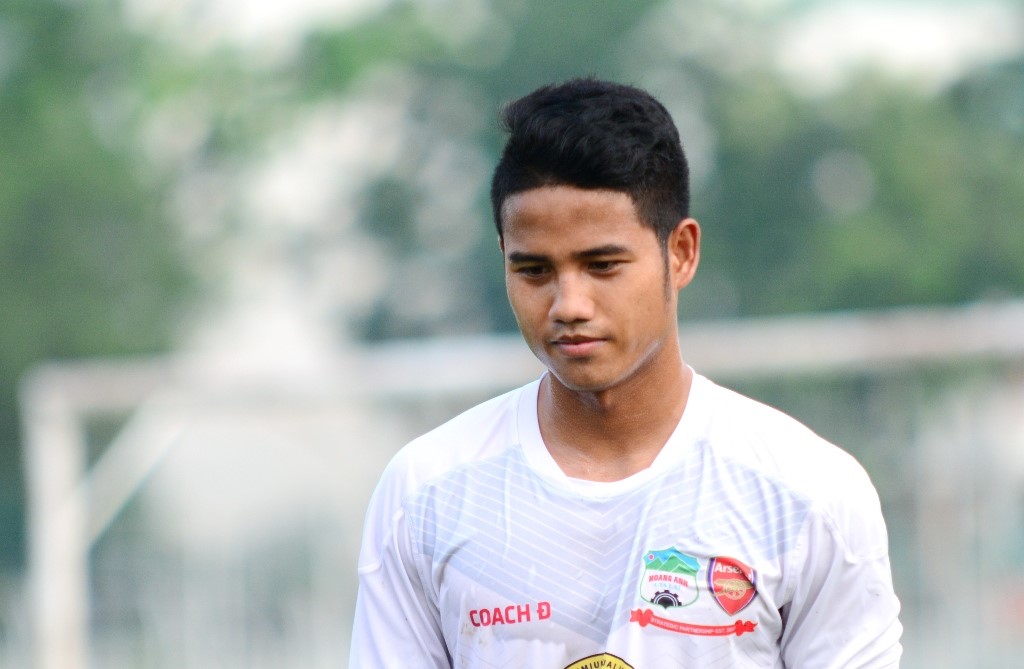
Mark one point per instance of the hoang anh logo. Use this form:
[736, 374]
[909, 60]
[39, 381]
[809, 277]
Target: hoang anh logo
[670, 578]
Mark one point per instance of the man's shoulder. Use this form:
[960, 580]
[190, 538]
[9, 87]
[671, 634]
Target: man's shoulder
[780, 446]
[475, 426]
[730, 410]
[477, 433]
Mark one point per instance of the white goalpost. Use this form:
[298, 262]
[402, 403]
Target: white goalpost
[332, 432]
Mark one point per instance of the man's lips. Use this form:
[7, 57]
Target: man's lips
[577, 346]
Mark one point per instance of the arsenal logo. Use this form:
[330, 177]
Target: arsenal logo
[732, 584]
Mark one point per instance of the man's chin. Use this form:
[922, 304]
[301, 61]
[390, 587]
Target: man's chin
[580, 383]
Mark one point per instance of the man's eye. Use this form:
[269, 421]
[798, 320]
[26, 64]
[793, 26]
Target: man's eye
[603, 265]
[530, 270]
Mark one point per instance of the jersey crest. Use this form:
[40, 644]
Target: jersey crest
[669, 579]
[600, 661]
[732, 584]
[670, 582]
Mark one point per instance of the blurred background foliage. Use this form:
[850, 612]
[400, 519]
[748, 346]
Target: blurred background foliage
[90, 263]
[128, 154]
[877, 194]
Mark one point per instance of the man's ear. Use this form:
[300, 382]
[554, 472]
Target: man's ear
[683, 249]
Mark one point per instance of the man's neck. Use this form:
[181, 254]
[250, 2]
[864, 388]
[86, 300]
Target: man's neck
[615, 433]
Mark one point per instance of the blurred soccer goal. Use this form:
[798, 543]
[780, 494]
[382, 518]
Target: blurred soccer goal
[183, 515]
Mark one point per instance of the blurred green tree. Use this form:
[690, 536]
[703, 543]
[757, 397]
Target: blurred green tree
[876, 196]
[89, 261]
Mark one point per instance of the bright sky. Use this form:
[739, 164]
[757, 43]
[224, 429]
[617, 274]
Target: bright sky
[270, 25]
[933, 42]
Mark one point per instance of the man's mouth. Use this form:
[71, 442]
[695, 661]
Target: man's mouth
[578, 346]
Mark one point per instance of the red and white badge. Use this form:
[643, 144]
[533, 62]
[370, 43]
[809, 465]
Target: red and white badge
[732, 584]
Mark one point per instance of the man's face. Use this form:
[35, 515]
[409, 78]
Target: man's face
[591, 288]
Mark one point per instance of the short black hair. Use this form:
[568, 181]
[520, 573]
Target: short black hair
[595, 134]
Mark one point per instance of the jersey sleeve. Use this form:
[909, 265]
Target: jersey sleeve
[396, 616]
[843, 611]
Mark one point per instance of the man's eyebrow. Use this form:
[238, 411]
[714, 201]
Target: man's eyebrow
[606, 250]
[523, 257]
[596, 252]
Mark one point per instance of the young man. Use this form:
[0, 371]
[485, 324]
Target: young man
[621, 511]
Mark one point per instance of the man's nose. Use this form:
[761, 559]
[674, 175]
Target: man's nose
[572, 301]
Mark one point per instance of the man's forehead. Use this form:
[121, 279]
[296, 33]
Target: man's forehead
[565, 197]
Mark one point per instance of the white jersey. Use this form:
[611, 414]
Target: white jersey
[749, 542]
